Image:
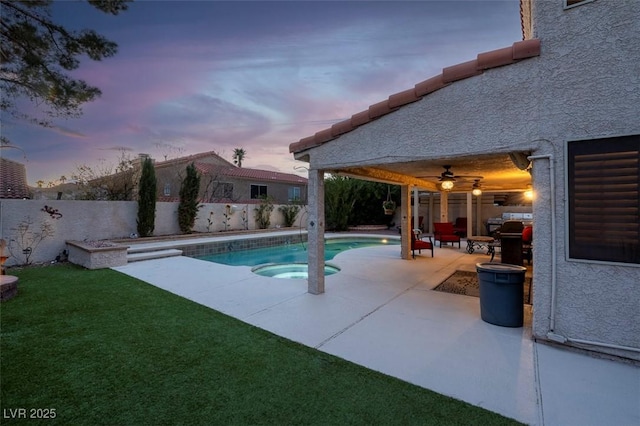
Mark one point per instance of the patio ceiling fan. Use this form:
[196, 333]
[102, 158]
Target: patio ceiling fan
[447, 178]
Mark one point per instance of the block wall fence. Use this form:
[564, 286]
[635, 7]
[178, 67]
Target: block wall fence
[105, 220]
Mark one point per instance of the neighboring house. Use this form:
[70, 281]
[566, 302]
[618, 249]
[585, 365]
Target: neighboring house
[64, 191]
[223, 182]
[13, 180]
[558, 111]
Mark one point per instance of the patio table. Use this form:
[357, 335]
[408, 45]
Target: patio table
[477, 242]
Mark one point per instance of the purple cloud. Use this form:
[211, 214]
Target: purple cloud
[199, 76]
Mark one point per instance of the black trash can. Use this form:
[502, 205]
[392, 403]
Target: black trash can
[501, 293]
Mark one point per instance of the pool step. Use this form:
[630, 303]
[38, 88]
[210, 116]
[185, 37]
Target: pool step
[138, 255]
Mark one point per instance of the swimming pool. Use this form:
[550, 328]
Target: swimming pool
[294, 253]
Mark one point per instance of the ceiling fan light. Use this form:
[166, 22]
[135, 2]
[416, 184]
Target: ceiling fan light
[476, 189]
[447, 185]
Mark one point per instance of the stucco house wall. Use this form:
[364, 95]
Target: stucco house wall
[589, 75]
[584, 85]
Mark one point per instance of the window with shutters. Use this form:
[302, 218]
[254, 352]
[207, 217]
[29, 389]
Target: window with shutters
[604, 199]
[572, 3]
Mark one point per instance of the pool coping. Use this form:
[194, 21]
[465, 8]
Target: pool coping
[199, 246]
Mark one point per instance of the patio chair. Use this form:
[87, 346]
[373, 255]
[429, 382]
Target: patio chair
[420, 224]
[418, 244]
[443, 232]
[460, 227]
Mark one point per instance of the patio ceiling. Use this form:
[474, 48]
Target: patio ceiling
[498, 171]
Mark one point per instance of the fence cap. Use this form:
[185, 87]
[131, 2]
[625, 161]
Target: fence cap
[499, 267]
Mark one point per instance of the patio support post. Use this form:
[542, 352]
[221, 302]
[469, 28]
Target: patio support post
[315, 228]
[431, 211]
[479, 230]
[444, 206]
[405, 214]
[416, 205]
[469, 215]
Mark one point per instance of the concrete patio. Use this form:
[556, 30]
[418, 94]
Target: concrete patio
[380, 311]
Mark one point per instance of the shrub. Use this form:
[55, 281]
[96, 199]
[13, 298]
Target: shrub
[290, 212]
[147, 199]
[188, 208]
[263, 212]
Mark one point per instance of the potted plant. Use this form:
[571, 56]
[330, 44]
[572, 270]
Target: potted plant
[389, 207]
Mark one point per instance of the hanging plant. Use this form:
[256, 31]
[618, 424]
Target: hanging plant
[389, 205]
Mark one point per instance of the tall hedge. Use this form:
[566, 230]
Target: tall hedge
[188, 208]
[147, 199]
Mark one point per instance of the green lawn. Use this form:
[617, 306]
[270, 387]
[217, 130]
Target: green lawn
[100, 347]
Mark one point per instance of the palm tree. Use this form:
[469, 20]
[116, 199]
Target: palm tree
[238, 156]
[62, 179]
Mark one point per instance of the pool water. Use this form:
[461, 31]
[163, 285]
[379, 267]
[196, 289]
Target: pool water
[290, 270]
[293, 253]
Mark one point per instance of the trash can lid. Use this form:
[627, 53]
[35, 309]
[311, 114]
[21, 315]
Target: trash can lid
[499, 267]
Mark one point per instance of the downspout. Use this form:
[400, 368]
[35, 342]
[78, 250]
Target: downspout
[551, 334]
[552, 184]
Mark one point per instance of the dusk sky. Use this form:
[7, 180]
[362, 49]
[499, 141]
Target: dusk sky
[196, 76]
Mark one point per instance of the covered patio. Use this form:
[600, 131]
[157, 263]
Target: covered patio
[447, 128]
[543, 102]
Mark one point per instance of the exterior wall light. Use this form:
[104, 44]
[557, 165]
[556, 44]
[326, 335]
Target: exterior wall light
[528, 194]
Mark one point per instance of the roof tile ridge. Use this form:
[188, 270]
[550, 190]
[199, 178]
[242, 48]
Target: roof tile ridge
[461, 71]
[486, 60]
[526, 49]
[430, 85]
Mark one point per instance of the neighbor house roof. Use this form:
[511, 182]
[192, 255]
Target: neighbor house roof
[251, 174]
[13, 176]
[224, 168]
[484, 61]
[193, 158]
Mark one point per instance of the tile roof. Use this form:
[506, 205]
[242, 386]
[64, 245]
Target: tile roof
[13, 178]
[247, 173]
[166, 199]
[190, 158]
[496, 58]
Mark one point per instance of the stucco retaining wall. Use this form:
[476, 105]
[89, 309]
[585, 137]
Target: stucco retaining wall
[106, 220]
[97, 257]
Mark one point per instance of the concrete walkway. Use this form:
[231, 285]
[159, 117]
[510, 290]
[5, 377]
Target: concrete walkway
[380, 311]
